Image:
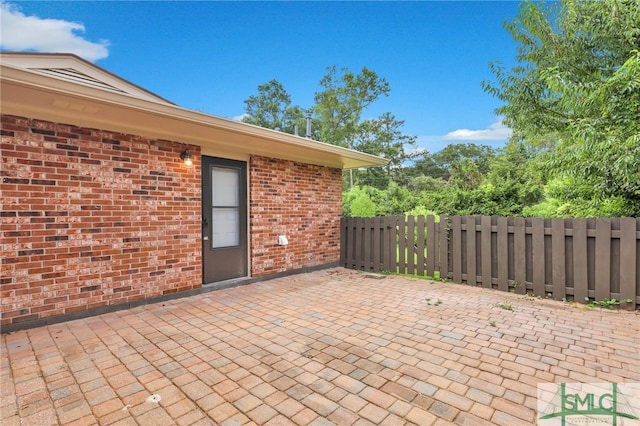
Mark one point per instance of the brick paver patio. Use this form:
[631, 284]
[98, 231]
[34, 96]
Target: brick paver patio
[328, 347]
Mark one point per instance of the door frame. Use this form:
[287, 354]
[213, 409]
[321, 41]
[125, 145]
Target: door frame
[208, 161]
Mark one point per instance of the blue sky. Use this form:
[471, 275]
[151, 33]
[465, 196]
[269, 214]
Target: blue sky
[210, 56]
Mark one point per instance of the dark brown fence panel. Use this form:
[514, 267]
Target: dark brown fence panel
[574, 259]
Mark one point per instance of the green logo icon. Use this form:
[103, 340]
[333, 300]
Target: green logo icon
[592, 404]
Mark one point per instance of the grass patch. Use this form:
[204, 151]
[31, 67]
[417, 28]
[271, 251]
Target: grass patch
[505, 306]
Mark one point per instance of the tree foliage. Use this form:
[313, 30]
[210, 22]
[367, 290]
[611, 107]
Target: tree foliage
[573, 101]
[337, 118]
[271, 108]
[576, 92]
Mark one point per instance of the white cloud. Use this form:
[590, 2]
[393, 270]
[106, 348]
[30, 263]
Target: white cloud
[31, 33]
[497, 131]
[240, 117]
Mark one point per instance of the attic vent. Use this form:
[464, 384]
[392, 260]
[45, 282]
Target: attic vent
[76, 76]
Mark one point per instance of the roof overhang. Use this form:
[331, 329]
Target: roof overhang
[31, 94]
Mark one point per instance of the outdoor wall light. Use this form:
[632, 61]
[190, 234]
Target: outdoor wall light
[186, 157]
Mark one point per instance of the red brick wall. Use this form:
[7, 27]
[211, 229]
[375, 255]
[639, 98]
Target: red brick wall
[92, 218]
[301, 201]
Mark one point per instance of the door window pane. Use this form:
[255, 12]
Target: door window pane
[226, 207]
[226, 227]
[225, 186]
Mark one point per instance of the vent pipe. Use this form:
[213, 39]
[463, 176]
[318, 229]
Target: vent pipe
[295, 130]
[308, 135]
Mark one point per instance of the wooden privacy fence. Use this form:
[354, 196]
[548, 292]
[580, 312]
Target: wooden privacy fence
[576, 259]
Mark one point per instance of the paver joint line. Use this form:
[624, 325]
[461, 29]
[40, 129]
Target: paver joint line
[310, 349]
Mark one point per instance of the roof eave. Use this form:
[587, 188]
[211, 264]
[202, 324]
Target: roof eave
[37, 96]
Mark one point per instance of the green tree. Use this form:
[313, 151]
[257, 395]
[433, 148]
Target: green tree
[576, 93]
[271, 108]
[337, 119]
[513, 181]
[444, 162]
[339, 105]
[383, 137]
[357, 202]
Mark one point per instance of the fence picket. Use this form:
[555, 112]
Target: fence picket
[519, 255]
[432, 253]
[558, 262]
[359, 243]
[471, 250]
[411, 246]
[628, 258]
[443, 238]
[350, 242]
[580, 259]
[420, 260]
[456, 247]
[503, 254]
[377, 231]
[393, 243]
[401, 233]
[603, 259]
[485, 250]
[367, 252]
[537, 255]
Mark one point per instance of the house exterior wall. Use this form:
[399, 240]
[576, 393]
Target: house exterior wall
[300, 201]
[92, 218]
